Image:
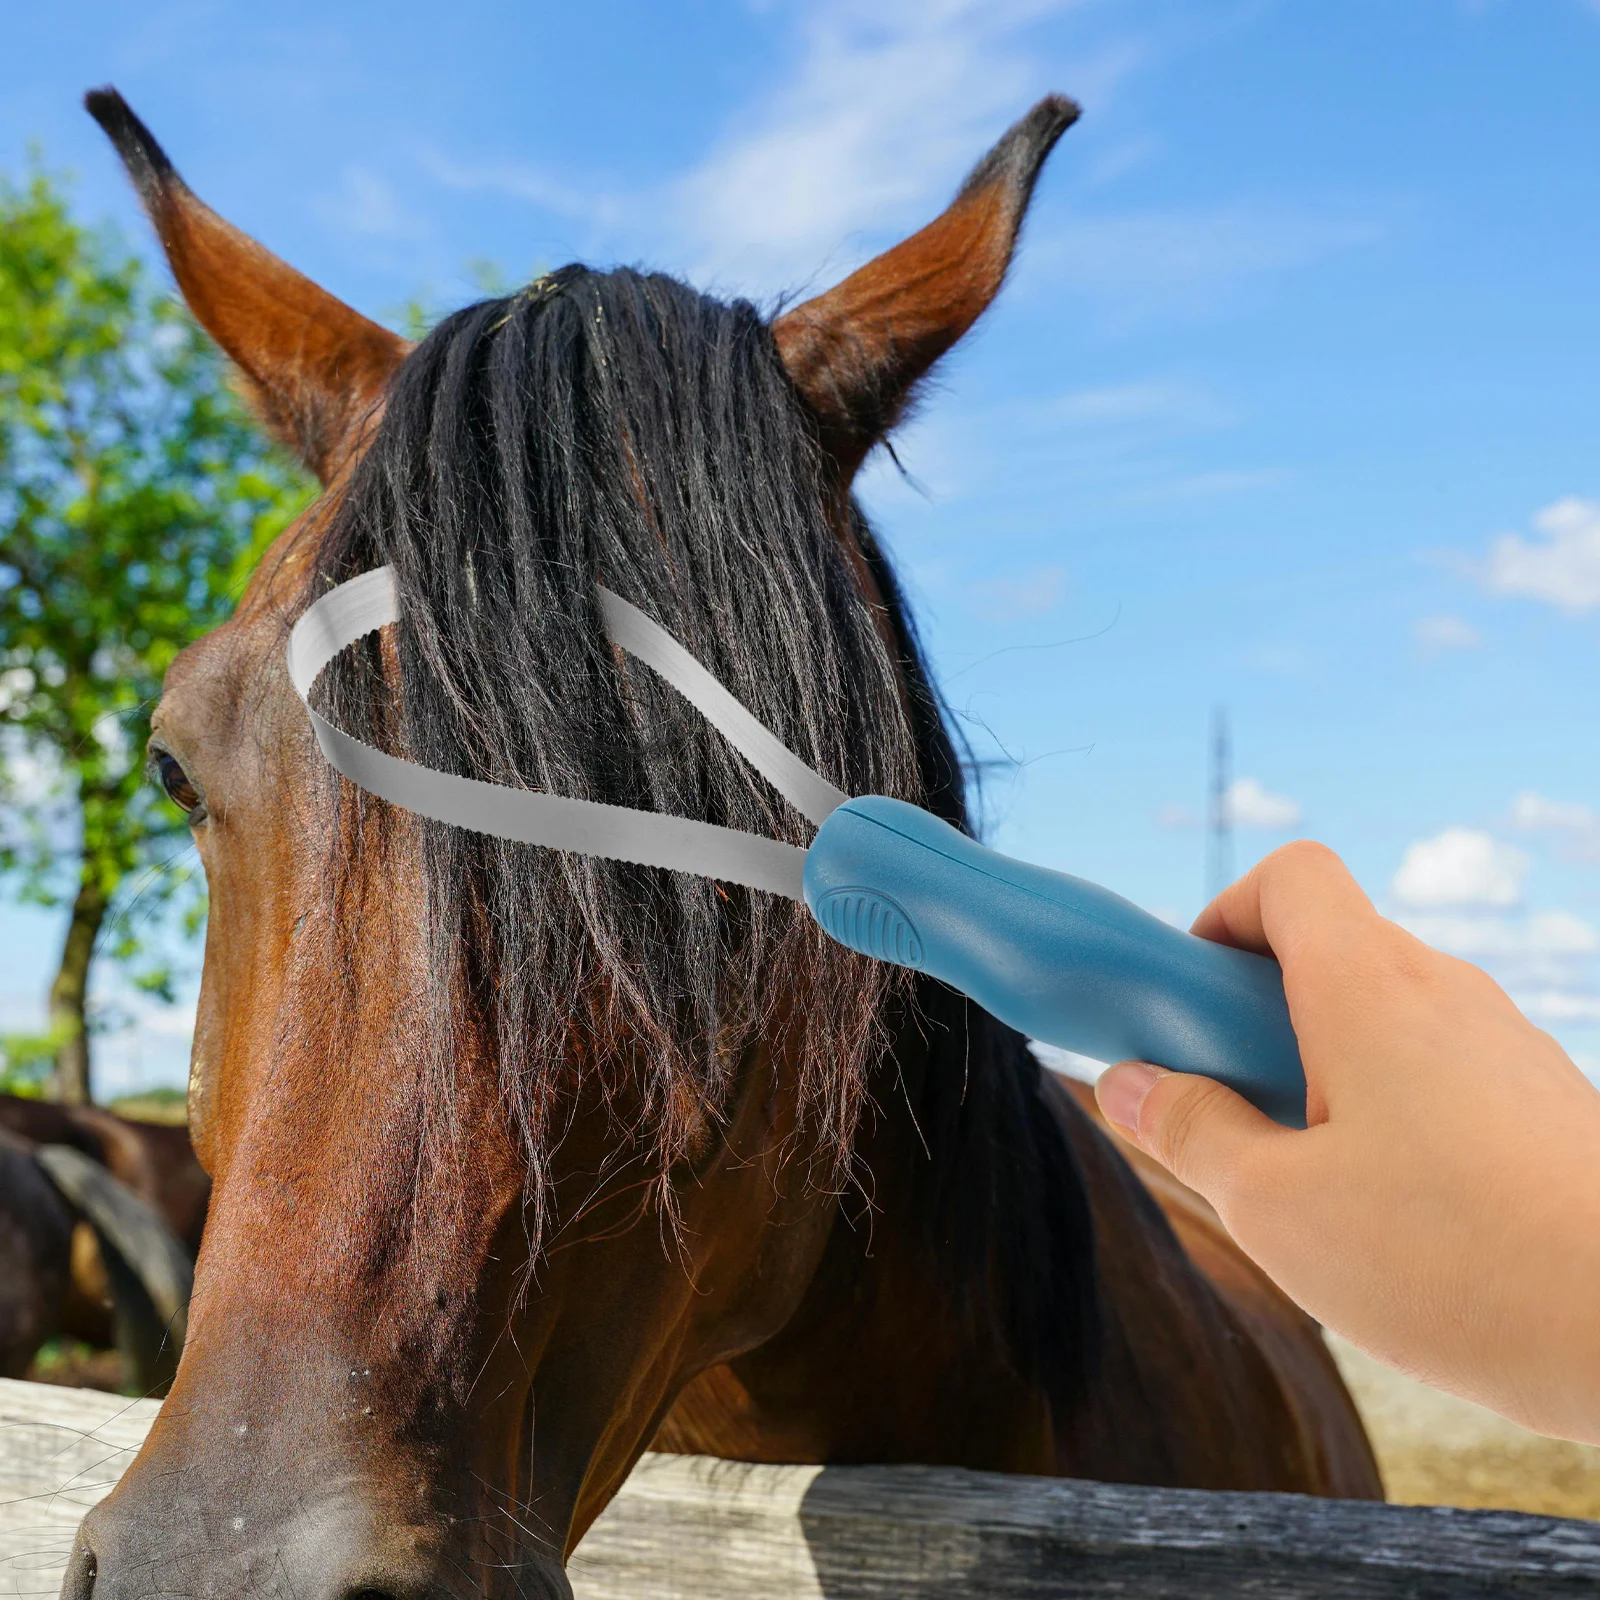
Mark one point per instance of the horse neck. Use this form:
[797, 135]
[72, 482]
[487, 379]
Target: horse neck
[952, 1316]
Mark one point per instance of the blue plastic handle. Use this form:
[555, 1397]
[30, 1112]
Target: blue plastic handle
[1057, 958]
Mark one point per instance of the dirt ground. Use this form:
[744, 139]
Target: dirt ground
[1435, 1450]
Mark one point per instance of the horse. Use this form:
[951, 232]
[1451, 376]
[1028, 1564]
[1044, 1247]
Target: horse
[35, 1256]
[108, 1279]
[156, 1162]
[84, 1252]
[524, 1160]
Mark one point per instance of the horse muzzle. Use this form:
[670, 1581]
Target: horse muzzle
[325, 1546]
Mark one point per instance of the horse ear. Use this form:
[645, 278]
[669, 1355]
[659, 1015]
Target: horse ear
[858, 352]
[312, 367]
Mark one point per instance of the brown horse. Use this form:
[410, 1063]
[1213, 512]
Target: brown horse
[35, 1257]
[99, 1289]
[524, 1160]
[156, 1162]
[97, 1256]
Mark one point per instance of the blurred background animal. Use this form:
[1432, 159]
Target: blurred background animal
[100, 1221]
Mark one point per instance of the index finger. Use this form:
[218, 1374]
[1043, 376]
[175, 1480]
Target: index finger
[1301, 893]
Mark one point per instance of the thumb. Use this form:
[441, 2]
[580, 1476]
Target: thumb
[1200, 1131]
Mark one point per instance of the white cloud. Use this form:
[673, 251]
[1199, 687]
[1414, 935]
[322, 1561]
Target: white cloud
[1537, 814]
[1576, 825]
[1436, 635]
[1538, 936]
[1545, 960]
[1175, 816]
[1461, 892]
[1460, 867]
[889, 104]
[1252, 805]
[1554, 1006]
[1561, 933]
[1559, 565]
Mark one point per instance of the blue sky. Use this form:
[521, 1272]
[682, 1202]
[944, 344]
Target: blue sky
[1292, 403]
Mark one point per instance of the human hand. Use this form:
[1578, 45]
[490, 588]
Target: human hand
[1441, 1210]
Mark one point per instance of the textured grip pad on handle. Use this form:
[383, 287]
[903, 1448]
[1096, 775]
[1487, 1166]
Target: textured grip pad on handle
[1059, 959]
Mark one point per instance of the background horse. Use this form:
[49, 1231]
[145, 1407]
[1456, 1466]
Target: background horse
[35, 1257]
[96, 1256]
[522, 1160]
[156, 1162]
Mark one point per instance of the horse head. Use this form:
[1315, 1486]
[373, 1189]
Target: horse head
[509, 1146]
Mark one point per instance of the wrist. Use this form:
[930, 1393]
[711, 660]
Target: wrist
[1546, 1360]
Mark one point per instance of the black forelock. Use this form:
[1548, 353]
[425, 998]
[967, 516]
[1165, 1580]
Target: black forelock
[619, 428]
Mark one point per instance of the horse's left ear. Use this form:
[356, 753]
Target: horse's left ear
[312, 366]
[857, 352]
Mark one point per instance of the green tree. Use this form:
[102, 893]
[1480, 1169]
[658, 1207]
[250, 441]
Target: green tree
[135, 496]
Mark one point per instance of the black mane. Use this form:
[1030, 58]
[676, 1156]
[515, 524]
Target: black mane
[620, 428]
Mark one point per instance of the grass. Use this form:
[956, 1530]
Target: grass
[169, 1106]
[1436, 1450]
[76, 1365]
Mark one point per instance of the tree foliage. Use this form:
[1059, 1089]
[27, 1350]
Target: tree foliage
[135, 496]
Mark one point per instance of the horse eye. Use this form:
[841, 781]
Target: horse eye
[180, 791]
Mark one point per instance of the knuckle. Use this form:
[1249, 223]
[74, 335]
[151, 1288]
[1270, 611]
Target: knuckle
[1404, 956]
[1305, 853]
[1302, 860]
[1296, 884]
[1182, 1121]
[1417, 966]
[1386, 959]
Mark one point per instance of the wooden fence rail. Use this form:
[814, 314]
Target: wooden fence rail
[689, 1528]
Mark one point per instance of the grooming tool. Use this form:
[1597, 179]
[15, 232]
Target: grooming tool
[1059, 959]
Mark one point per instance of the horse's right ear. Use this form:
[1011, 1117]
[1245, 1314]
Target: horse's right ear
[313, 368]
[857, 353]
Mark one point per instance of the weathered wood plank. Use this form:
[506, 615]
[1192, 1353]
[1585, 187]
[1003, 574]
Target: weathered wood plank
[60, 1452]
[686, 1528]
[690, 1528]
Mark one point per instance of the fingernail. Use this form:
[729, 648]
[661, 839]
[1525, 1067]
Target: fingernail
[1121, 1091]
